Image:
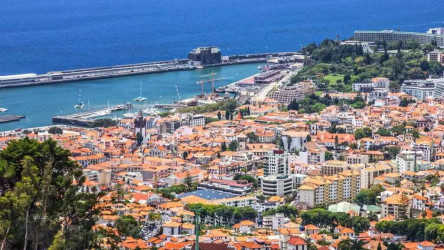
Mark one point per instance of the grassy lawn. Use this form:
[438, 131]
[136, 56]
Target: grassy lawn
[334, 78]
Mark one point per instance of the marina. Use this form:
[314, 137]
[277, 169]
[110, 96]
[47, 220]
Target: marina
[166, 88]
[87, 118]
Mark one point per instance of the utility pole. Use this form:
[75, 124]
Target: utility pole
[196, 214]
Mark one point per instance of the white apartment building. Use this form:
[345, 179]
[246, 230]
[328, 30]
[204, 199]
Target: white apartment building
[419, 88]
[276, 163]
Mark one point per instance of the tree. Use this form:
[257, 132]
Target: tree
[139, 138]
[405, 102]
[393, 151]
[252, 137]
[383, 132]
[188, 181]
[328, 156]
[233, 145]
[219, 115]
[224, 146]
[126, 225]
[55, 130]
[185, 155]
[42, 184]
[368, 196]
[227, 115]
[362, 133]
[248, 178]
[308, 138]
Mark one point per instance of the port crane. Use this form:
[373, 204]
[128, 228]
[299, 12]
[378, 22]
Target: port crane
[210, 79]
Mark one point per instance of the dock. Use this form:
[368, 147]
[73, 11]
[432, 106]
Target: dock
[170, 106]
[11, 118]
[32, 79]
[88, 117]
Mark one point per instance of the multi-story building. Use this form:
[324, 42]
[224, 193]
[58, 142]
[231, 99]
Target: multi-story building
[426, 145]
[397, 205]
[369, 174]
[406, 161]
[274, 185]
[296, 92]
[357, 158]
[205, 56]
[435, 56]
[274, 221]
[394, 36]
[333, 167]
[276, 163]
[322, 190]
[419, 88]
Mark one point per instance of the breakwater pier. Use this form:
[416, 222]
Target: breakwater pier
[198, 59]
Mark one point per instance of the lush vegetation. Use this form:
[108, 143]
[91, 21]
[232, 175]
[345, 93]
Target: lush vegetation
[104, 123]
[248, 178]
[228, 105]
[172, 191]
[55, 130]
[219, 215]
[414, 229]
[325, 218]
[369, 196]
[287, 210]
[40, 202]
[315, 103]
[336, 67]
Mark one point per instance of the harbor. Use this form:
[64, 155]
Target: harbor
[40, 103]
[196, 60]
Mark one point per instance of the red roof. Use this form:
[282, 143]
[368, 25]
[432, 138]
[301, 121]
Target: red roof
[296, 241]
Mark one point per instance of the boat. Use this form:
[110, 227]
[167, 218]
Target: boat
[151, 111]
[80, 105]
[3, 110]
[129, 115]
[140, 98]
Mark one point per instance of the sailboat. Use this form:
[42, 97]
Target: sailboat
[2, 110]
[140, 98]
[81, 104]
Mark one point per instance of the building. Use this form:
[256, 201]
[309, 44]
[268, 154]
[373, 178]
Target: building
[397, 205]
[369, 174]
[406, 161]
[420, 89]
[333, 167]
[439, 86]
[274, 221]
[239, 187]
[140, 125]
[276, 163]
[267, 77]
[193, 120]
[393, 36]
[436, 31]
[427, 147]
[295, 92]
[322, 190]
[375, 83]
[277, 185]
[435, 56]
[205, 56]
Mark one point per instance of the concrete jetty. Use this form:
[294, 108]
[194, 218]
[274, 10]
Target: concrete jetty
[88, 117]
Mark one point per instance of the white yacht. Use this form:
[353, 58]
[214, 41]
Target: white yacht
[80, 105]
[140, 98]
[3, 110]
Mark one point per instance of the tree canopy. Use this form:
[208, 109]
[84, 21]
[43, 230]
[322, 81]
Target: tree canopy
[40, 198]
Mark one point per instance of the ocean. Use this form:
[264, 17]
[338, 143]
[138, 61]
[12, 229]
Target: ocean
[41, 36]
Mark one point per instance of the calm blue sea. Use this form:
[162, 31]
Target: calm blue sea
[49, 35]
[45, 35]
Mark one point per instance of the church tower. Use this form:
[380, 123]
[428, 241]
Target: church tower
[140, 124]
